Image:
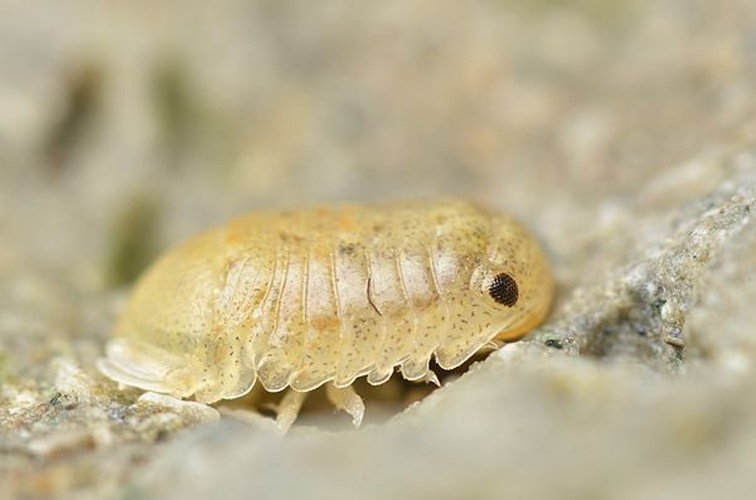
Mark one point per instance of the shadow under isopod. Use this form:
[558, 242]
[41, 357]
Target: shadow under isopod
[382, 402]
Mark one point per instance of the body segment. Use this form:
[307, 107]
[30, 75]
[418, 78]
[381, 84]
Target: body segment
[297, 299]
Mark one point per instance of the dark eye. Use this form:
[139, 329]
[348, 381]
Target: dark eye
[503, 289]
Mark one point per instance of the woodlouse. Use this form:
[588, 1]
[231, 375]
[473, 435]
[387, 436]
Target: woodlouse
[298, 299]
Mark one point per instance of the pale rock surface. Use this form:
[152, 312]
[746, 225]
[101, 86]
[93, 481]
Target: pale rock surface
[623, 133]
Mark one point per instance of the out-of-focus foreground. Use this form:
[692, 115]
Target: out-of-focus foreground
[622, 133]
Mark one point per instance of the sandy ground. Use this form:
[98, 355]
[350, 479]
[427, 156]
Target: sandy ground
[622, 133]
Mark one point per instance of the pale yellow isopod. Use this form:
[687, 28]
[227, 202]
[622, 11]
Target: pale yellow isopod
[299, 299]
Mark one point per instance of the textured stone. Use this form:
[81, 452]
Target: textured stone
[621, 132]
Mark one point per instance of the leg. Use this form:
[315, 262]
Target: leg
[430, 378]
[347, 400]
[247, 410]
[288, 409]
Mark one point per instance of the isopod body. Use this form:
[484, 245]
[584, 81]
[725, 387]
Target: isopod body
[300, 298]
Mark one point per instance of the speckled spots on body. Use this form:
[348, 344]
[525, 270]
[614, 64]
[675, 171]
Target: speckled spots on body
[301, 298]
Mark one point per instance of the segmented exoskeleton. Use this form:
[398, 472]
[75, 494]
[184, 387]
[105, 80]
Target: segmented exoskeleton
[301, 298]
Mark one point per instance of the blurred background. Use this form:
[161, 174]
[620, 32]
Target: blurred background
[620, 131]
[125, 126]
